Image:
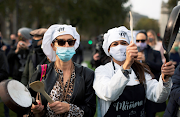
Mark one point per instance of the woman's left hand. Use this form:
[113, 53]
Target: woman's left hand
[59, 107]
[168, 70]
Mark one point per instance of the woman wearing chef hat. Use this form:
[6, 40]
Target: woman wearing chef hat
[68, 84]
[123, 84]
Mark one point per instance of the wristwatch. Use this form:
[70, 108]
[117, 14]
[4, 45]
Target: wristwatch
[126, 72]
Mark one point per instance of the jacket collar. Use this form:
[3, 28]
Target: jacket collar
[52, 77]
[77, 82]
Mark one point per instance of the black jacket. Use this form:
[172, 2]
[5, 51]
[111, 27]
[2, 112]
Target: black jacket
[3, 66]
[153, 60]
[174, 100]
[17, 62]
[83, 93]
[30, 68]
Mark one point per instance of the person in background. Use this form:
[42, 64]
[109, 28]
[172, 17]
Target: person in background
[36, 57]
[173, 106]
[99, 56]
[174, 54]
[17, 55]
[124, 83]
[153, 59]
[78, 57]
[4, 47]
[155, 44]
[14, 40]
[4, 66]
[4, 74]
[67, 83]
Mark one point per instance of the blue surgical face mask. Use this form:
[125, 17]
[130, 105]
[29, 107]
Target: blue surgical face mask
[65, 53]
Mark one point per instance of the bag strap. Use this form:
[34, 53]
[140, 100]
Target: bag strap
[43, 71]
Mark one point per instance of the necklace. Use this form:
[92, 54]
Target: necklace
[64, 93]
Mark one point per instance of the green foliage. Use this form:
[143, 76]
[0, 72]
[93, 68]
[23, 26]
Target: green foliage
[172, 4]
[90, 16]
[11, 113]
[146, 24]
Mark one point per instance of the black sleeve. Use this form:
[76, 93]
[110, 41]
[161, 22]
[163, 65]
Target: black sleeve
[4, 70]
[25, 75]
[89, 106]
[157, 63]
[174, 100]
[36, 76]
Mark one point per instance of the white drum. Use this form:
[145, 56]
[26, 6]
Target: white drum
[15, 96]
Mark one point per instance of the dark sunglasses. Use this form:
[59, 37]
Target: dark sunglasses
[141, 41]
[62, 42]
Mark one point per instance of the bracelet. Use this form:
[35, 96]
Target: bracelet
[166, 84]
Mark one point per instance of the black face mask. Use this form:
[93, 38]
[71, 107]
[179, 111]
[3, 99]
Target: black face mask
[13, 42]
[34, 43]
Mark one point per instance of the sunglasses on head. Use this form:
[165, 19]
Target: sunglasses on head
[62, 42]
[141, 41]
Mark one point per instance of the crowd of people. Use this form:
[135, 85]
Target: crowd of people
[128, 81]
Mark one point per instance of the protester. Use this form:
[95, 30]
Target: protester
[4, 70]
[153, 59]
[4, 47]
[4, 73]
[78, 57]
[99, 57]
[17, 55]
[76, 97]
[155, 44]
[174, 54]
[14, 40]
[36, 57]
[123, 84]
[173, 105]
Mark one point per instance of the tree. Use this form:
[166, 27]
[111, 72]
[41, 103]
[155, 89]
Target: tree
[92, 17]
[146, 24]
[172, 4]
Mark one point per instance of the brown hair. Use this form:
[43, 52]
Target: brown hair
[140, 69]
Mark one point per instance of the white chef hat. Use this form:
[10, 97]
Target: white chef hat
[115, 34]
[55, 31]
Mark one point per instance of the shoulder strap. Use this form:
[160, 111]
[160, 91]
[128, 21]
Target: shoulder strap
[43, 71]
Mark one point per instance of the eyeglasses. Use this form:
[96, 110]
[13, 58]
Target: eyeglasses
[62, 42]
[143, 40]
[20, 38]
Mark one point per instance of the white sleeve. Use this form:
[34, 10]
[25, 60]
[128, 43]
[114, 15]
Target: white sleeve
[155, 91]
[108, 86]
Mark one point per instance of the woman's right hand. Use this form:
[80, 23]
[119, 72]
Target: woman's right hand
[21, 45]
[131, 55]
[37, 109]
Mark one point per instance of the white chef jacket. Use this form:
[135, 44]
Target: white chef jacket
[109, 85]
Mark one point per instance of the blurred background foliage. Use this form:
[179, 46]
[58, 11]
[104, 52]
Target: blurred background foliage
[90, 16]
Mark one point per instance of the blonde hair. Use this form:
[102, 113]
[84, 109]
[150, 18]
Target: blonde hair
[154, 34]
